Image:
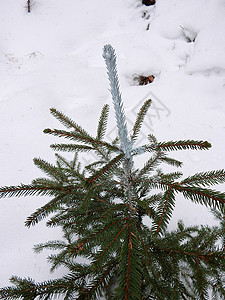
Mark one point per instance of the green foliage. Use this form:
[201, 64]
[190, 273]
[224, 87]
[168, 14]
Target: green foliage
[101, 209]
[103, 223]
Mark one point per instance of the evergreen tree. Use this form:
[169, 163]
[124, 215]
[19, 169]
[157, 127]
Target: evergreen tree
[100, 208]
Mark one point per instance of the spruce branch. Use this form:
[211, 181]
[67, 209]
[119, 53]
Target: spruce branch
[205, 178]
[171, 146]
[171, 161]
[53, 245]
[87, 241]
[30, 190]
[71, 147]
[151, 164]
[73, 165]
[140, 118]
[165, 211]
[207, 197]
[50, 170]
[108, 168]
[180, 145]
[82, 139]
[67, 122]
[130, 271]
[109, 245]
[102, 122]
[45, 210]
[71, 135]
[110, 60]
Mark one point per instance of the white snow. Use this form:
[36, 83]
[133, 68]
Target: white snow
[52, 57]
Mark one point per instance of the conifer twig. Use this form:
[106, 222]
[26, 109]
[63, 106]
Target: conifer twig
[110, 60]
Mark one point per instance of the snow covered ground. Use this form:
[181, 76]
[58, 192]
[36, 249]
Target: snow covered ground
[52, 57]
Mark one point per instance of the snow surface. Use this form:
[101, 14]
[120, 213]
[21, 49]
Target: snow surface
[52, 57]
